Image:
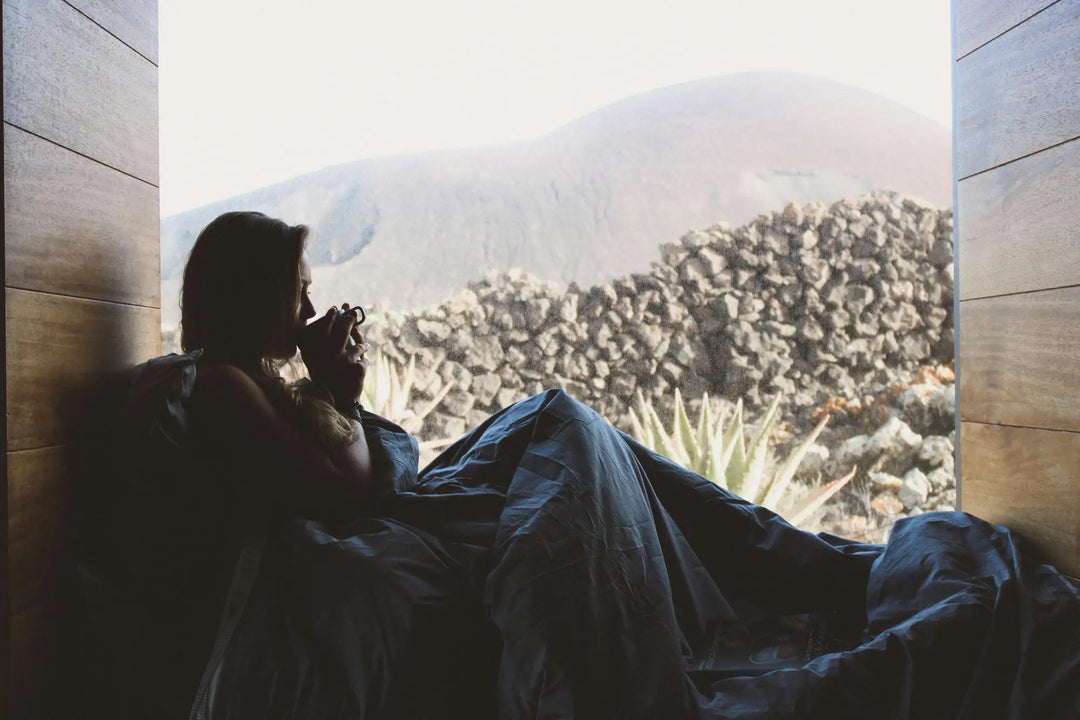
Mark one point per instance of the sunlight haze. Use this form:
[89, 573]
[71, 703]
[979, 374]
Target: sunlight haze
[255, 92]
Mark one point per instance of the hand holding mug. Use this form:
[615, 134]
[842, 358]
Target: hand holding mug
[334, 352]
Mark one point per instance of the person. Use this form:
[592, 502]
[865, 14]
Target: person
[245, 304]
[545, 565]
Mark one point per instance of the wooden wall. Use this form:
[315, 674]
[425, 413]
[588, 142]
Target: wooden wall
[81, 273]
[1016, 90]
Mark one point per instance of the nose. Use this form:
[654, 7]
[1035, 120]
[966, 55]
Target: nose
[307, 309]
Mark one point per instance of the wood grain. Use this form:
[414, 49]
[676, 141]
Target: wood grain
[1018, 225]
[68, 80]
[76, 227]
[1020, 360]
[976, 22]
[39, 522]
[33, 644]
[1017, 95]
[135, 22]
[1026, 480]
[58, 350]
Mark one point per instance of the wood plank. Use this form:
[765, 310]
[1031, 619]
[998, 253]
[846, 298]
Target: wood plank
[1017, 225]
[1017, 95]
[976, 22]
[1026, 480]
[68, 80]
[39, 523]
[133, 21]
[58, 350]
[76, 227]
[1020, 358]
[5, 615]
[33, 643]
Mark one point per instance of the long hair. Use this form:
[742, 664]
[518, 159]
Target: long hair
[241, 284]
[241, 288]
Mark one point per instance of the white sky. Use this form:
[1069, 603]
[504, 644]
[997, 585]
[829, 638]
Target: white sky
[258, 91]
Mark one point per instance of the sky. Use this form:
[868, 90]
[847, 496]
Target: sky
[253, 92]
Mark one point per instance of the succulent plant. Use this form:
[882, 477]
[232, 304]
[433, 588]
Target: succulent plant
[726, 457]
[388, 392]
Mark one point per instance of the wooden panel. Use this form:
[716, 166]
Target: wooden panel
[133, 21]
[1020, 359]
[38, 522]
[76, 227]
[1026, 480]
[58, 348]
[68, 80]
[979, 21]
[1018, 94]
[33, 646]
[1018, 225]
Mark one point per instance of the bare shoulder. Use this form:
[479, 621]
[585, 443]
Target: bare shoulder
[225, 395]
[218, 378]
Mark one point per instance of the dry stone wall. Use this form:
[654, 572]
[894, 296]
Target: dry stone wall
[812, 302]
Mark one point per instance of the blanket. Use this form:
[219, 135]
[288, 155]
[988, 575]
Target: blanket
[546, 565]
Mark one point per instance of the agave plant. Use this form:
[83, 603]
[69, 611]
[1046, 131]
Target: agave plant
[388, 392]
[724, 456]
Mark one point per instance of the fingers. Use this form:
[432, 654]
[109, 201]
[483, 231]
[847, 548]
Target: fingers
[356, 310]
[342, 329]
[358, 353]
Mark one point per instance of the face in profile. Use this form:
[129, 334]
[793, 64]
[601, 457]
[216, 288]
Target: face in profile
[284, 345]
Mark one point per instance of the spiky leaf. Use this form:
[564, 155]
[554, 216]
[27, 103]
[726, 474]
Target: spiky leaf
[814, 499]
[781, 480]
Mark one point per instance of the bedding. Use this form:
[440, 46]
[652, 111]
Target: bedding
[546, 565]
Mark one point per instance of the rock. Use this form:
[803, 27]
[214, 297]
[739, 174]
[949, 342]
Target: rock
[485, 354]
[475, 417]
[893, 436]
[650, 335]
[793, 214]
[808, 240]
[433, 331]
[837, 319]
[915, 489]
[456, 373]
[569, 363]
[941, 254]
[887, 504]
[506, 397]
[409, 339]
[536, 312]
[941, 478]
[884, 481]
[567, 310]
[622, 386]
[485, 386]
[928, 407]
[857, 298]
[440, 425]
[850, 452]
[815, 271]
[813, 462]
[901, 319]
[810, 330]
[712, 262]
[937, 451]
[459, 403]
[460, 340]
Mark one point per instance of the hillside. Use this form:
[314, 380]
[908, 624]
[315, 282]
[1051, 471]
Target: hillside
[592, 200]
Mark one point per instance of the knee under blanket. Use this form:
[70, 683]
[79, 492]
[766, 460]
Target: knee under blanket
[548, 566]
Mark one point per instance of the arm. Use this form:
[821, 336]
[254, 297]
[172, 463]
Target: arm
[237, 420]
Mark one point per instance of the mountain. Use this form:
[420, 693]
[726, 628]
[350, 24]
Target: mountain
[595, 198]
